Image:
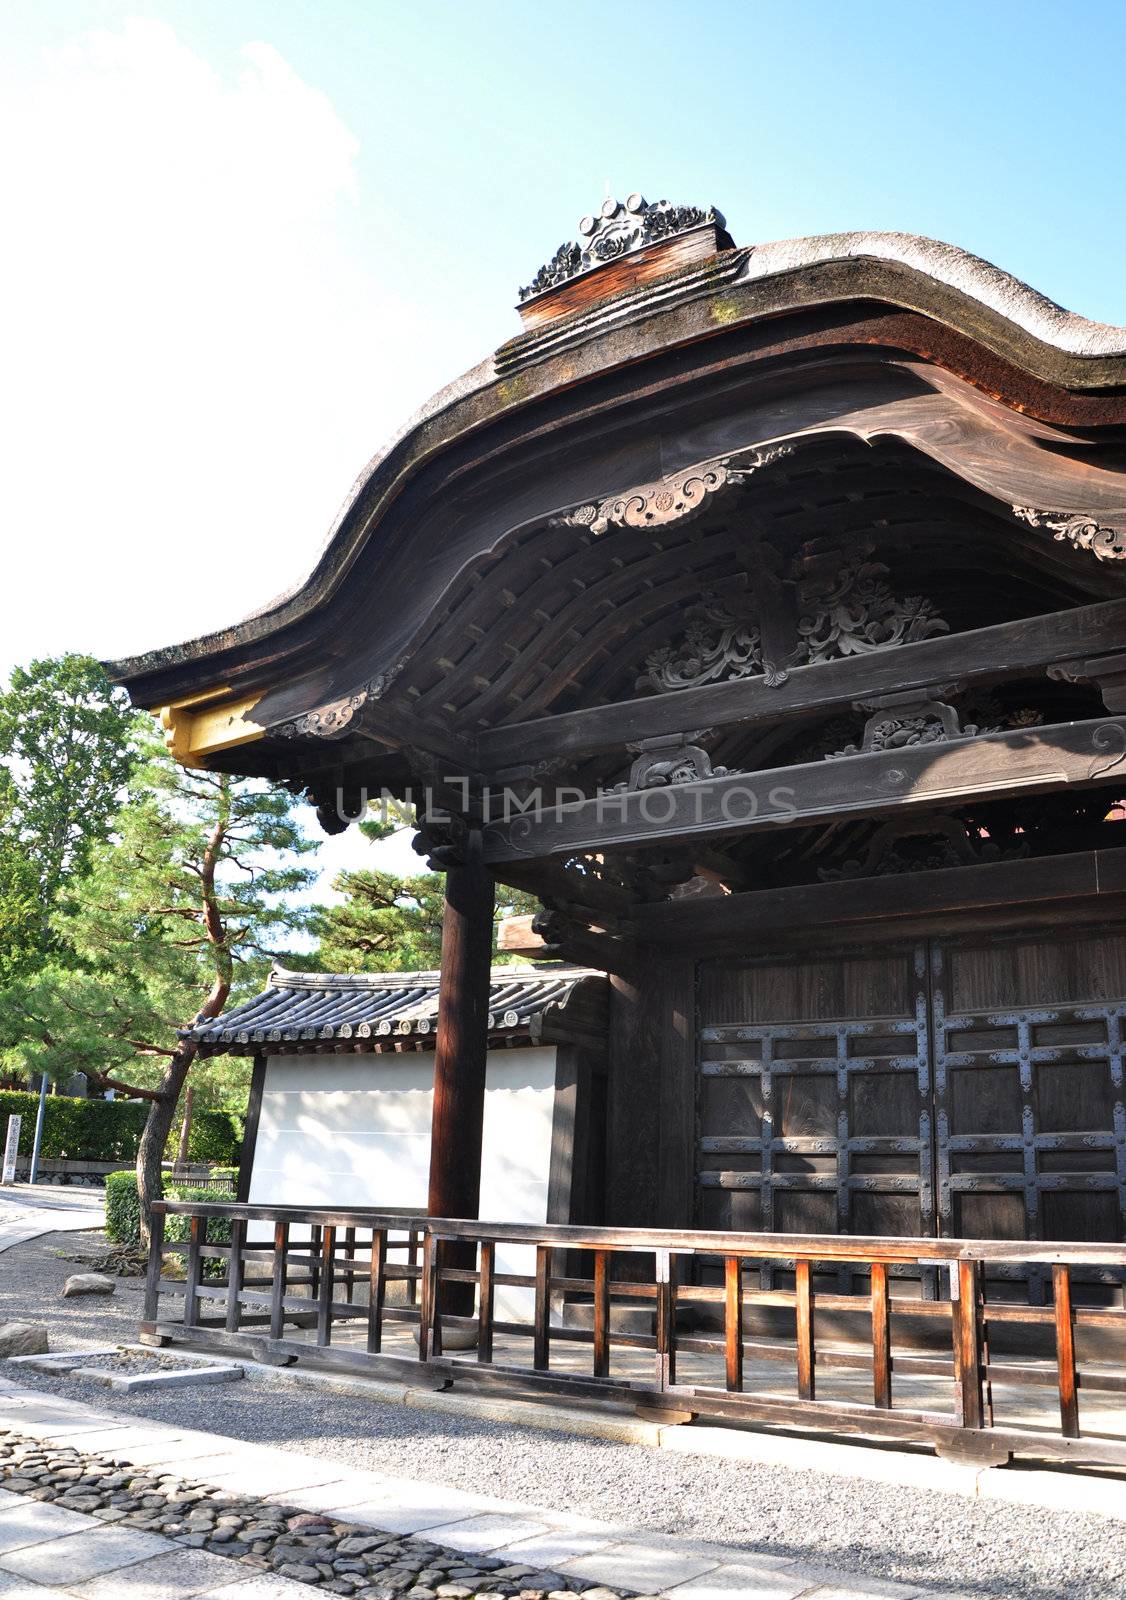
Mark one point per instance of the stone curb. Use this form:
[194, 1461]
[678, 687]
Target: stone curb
[196, 1370]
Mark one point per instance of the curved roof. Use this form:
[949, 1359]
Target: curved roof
[375, 1010]
[989, 328]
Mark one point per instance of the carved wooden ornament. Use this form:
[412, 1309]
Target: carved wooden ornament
[653, 505]
[1078, 529]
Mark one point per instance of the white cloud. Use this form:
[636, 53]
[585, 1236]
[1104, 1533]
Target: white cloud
[196, 361]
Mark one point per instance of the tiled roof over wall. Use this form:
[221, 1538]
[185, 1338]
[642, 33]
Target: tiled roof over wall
[379, 1010]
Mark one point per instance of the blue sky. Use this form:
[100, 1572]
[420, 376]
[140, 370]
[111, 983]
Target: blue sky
[246, 239]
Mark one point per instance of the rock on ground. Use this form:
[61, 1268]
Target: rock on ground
[87, 1283]
[22, 1339]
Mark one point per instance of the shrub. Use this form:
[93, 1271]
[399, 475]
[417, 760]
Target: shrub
[123, 1217]
[216, 1136]
[76, 1129]
[123, 1208]
[217, 1230]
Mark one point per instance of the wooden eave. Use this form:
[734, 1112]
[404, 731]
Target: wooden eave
[703, 329]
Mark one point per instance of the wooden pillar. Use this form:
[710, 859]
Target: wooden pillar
[652, 1095]
[460, 1054]
[250, 1131]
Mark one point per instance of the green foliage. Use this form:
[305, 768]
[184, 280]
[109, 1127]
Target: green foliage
[217, 1230]
[123, 1211]
[177, 912]
[384, 923]
[390, 924]
[21, 914]
[213, 1136]
[76, 1130]
[123, 1208]
[67, 748]
[222, 1083]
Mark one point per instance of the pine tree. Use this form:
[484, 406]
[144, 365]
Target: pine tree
[180, 909]
[67, 748]
[390, 924]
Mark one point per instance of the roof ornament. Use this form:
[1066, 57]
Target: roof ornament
[1078, 529]
[616, 231]
[671, 499]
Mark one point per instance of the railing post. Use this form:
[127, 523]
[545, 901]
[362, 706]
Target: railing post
[429, 1324]
[350, 1260]
[666, 1319]
[196, 1235]
[803, 1310]
[485, 1302]
[280, 1279]
[326, 1286]
[1065, 1352]
[881, 1336]
[601, 1314]
[235, 1274]
[967, 1343]
[733, 1320]
[377, 1284]
[413, 1295]
[155, 1268]
[541, 1338]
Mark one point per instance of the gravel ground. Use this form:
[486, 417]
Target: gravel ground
[131, 1362]
[905, 1535]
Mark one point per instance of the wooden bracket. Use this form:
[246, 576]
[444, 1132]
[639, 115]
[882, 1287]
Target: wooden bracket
[1108, 672]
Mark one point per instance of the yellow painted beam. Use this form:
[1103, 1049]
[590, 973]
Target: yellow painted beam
[197, 727]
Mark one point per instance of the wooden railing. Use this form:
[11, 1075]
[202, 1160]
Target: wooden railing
[329, 1297]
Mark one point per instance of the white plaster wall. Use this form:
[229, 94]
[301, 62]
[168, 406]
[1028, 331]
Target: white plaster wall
[355, 1131]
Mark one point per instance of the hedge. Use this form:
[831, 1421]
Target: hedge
[75, 1129]
[123, 1208]
[217, 1230]
[213, 1136]
[123, 1215]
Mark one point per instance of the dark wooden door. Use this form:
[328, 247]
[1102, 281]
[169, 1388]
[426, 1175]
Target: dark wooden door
[968, 1088]
[814, 1109]
[1028, 1074]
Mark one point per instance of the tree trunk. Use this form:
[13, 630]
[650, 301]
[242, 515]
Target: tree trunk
[185, 1130]
[150, 1151]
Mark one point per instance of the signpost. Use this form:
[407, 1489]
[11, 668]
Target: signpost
[11, 1145]
[38, 1142]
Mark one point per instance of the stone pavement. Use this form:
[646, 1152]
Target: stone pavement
[48, 1552]
[26, 1211]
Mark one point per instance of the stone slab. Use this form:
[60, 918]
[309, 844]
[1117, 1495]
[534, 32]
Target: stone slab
[260, 1587]
[13, 1588]
[644, 1568]
[548, 1550]
[271, 1472]
[174, 1576]
[837, 1586]
[333, 1498]
[126, 1436]
[483, 1534]
[412, 1507]
[749, 1583]
[186, 1378]
[78, 1556]
[62, 1360]
[179, 1450]
[32, 1521]
[863, 1589]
